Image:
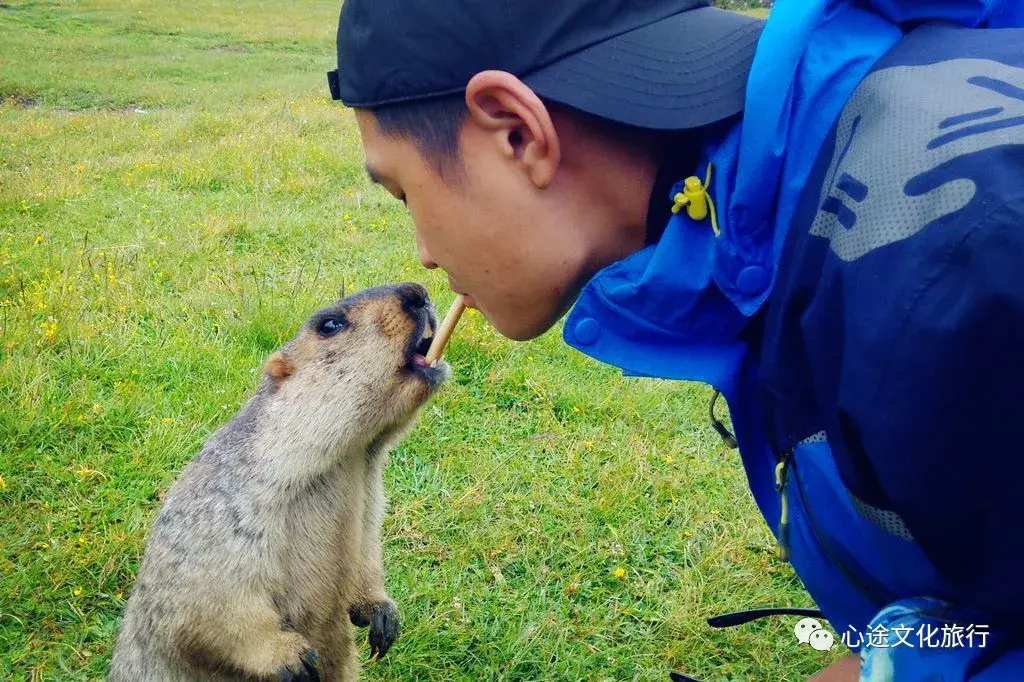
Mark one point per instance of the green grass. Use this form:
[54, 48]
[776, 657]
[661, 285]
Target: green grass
[177, 193]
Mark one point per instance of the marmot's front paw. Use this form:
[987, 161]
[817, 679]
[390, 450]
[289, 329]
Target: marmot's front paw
[305, 670]
[382, 617]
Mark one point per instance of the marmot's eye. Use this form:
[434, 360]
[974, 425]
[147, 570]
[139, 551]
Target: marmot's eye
[329, 326]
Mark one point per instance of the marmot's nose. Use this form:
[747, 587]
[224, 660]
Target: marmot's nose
[413, 296]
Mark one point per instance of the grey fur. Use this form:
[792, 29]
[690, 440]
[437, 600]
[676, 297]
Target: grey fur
[267, 547]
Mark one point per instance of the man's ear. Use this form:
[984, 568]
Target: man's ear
[502, 104]
[278, 367]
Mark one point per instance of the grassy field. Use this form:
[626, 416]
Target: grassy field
[177, 193]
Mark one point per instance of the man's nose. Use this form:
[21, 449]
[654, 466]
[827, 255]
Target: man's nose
[424, 255]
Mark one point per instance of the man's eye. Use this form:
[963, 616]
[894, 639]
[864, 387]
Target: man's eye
[331, 325]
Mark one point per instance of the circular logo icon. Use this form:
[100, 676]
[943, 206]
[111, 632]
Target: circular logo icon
[822, 640]
[805, 628]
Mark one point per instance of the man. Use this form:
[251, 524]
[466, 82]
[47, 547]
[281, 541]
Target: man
[819, 216]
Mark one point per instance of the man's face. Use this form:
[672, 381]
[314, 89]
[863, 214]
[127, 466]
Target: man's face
[511, 247]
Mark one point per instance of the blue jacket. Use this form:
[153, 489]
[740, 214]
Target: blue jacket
[875, 516]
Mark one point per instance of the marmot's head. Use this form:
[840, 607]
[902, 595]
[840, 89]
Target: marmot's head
[359, 365]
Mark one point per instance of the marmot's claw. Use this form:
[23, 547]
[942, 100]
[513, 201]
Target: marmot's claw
[383, 628]
[308, 672]
[360, 616]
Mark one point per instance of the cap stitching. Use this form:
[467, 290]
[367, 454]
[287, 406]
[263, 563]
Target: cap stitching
[704, 101]
[702, 55]
[731, 36]
[718, 78]
[611, 58]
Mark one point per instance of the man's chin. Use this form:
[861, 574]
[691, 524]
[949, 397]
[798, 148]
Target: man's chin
[519, 329]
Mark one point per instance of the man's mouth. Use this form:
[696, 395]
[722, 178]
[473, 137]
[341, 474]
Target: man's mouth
[454, 286]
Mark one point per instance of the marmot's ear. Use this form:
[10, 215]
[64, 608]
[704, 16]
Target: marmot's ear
[278, 367]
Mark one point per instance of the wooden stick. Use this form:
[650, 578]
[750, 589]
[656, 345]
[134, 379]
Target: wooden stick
[444, 332]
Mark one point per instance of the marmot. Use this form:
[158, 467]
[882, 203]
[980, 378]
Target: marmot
[268, 544]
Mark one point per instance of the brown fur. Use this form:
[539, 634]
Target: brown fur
[278, 367]
[267, 548]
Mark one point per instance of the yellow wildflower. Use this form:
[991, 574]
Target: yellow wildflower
[620, 573]
[77, 591]
[3, 483]
[39, 239]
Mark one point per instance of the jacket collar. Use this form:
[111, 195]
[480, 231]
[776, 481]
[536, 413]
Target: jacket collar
[676, 309]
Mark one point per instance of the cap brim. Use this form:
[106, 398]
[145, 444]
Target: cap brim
[684, 71]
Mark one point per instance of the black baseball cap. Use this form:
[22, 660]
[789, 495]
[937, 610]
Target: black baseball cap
[661, 64]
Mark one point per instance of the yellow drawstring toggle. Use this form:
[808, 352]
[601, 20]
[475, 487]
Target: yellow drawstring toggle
[697, 200]
[693, 197]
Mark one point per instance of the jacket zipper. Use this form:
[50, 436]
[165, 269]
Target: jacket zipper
[786, 468]
[781, 478]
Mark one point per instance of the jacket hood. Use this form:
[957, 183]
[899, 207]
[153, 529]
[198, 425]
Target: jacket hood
[677, 309]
